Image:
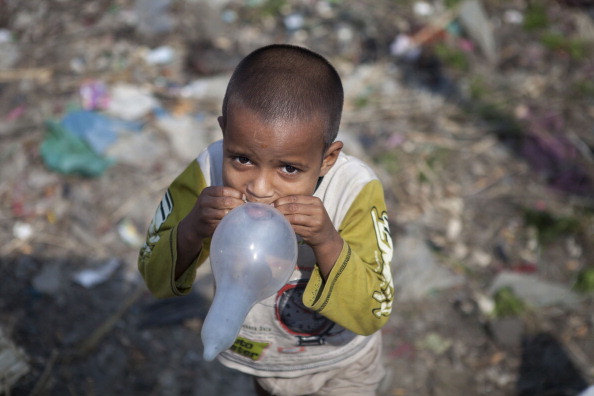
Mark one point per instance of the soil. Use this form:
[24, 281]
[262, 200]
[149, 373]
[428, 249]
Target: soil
[488, 168]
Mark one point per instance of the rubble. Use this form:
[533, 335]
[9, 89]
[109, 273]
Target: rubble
[476, 115]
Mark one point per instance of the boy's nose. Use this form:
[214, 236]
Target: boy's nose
[260, 190]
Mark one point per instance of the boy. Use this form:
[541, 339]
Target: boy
[318, 334]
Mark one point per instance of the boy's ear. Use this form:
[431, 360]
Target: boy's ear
[221, 121]
[330, 157]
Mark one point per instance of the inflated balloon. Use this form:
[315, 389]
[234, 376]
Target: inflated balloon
[253, 253]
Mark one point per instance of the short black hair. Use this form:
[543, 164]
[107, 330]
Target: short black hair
[283, 81]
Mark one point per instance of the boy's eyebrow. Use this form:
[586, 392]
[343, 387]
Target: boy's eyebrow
[296, 164]
[234, 152]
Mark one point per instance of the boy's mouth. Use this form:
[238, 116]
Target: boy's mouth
[246, 200]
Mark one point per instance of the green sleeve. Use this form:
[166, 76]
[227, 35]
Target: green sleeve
[359, 290]
[157, 258]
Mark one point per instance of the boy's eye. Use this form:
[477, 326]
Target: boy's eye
[242, 160]
[291, 170]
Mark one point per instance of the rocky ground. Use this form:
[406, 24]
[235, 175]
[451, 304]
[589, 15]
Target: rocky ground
[476, 115]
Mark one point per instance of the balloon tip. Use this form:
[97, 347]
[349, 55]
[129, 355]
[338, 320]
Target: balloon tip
[209, 354]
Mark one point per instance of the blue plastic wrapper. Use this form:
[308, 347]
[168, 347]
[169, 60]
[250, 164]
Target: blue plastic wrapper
[66, 153]
[98, 130]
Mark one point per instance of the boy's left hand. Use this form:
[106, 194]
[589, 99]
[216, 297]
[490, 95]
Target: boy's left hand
[310, 220]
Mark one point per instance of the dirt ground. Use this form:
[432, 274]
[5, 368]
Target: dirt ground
[481, 133]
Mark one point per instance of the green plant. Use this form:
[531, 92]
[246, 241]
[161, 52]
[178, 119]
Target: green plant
[585, 281]
[267, 7]
[507, 303]
[477, 89]
[436, 157]
[584, 88]
[452, 57]
[548, 226]
[388, 161]
[576, 48]
[536, 17]
[504, 122]
[452, 3]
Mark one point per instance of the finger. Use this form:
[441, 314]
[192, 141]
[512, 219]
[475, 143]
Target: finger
[305, 232]
[293, 208]
[310, 222]
[212, 215]
[301, 199]
[216, 201]
[231, 192]
[222, 191]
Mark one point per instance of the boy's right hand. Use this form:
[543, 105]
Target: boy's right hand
[211, 206]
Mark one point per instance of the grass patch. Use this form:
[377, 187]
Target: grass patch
[477, 89]
[585, 281]
[267, 7]
[452, 57]
[536, 17]
[452, 3]
[507, 303]
[584, 88]
[550, 227]
[576, 49]
[388, 161]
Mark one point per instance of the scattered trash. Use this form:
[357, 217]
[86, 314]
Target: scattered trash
[294, 22]
[5, 36]
[130, 102]
[138, 149]
[405, 47]
[94, 95]
[423, 8]
[50, 280]
[173, 311]
[160, 55]
[549, 150]
[427, 146]
[585, 281]
[153, 16]
[15, 113]
[485, 304]
[97, 130]
[92, 277]
[473, 17]
[525, 268]
[39, 74]
[129, 233]
[229, 16]
[9, 49]
[22, 231]
[588, 392]
[513, 16]
[13, 363]
[185, 133]
[416, 271]
[435, 343]
[65, 153]
[507, 331]
[547, 369]
[533, 291]
[211, 88]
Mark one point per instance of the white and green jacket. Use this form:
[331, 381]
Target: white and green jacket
[310, 325]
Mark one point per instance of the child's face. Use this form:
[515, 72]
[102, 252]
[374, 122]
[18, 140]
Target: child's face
[267, 161]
